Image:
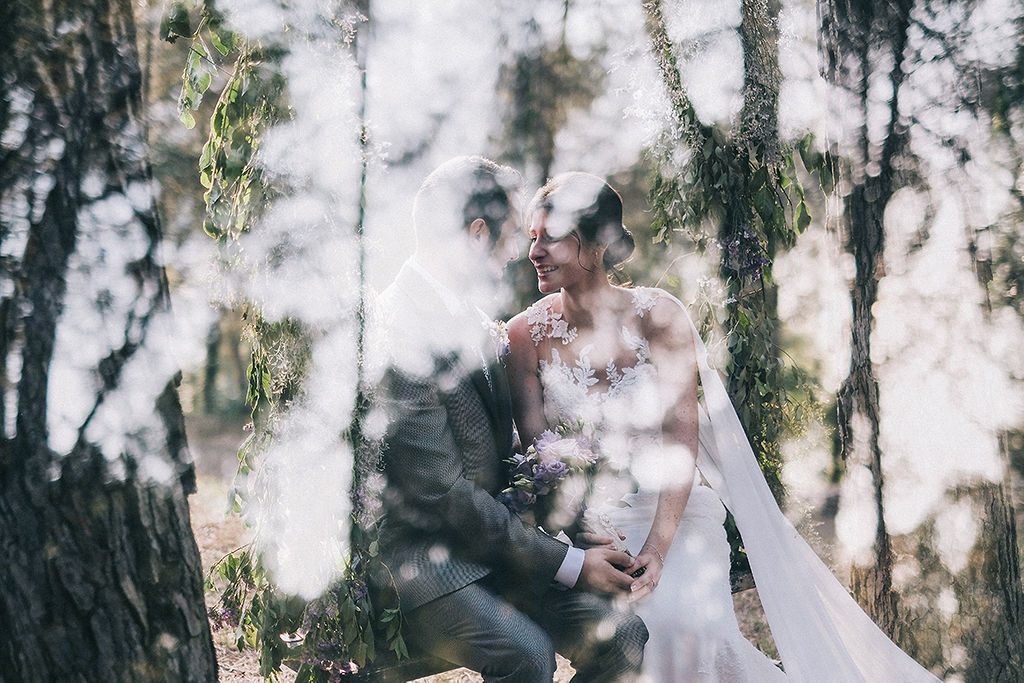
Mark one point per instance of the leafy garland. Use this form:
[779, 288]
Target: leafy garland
[341, 630]
[755, 202]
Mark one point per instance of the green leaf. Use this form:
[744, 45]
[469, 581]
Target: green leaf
[764, 203]
[803, 217]
[811, 158]
[218, 39]
[825, 175]
[265, 383]
[759, 179]
[398, 647]
[175, 23]
[186, 117]
[359, 653]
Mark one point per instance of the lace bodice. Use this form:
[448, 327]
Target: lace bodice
[616, 402]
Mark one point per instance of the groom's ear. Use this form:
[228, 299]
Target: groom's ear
[478, 231]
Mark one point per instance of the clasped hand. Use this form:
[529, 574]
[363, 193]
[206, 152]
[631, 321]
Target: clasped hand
[603, 570]
[641, 573]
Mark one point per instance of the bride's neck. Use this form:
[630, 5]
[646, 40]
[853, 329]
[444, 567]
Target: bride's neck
[580, 302]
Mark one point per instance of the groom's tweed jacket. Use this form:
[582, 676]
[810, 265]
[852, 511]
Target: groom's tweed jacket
[448, 433]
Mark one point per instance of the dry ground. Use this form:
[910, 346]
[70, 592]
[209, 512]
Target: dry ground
[214, 443]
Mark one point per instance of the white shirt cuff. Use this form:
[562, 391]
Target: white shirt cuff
[569, 572]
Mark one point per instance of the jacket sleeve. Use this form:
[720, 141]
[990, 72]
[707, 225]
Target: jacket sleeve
[425, 467]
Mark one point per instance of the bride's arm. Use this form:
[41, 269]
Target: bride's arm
[673, 353]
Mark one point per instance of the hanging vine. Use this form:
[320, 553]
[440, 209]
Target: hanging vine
[739, 196]
[342, 629]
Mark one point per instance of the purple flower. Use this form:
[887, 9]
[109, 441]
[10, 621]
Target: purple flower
[549, 473]
[518, 500]
[568, 450]
[359, 591]
[223, 617]
[546, 439]
[523, 466]
[546, 463]
[746, 254]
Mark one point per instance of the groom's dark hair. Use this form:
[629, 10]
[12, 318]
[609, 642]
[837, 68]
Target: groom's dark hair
[463, 189]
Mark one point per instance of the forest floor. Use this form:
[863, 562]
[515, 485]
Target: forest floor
[214, 443]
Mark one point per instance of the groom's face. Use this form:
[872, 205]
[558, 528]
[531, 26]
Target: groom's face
[497, 253]
[506, 248]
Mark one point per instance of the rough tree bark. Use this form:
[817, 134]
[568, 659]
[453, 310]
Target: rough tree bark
[978, 637]
[101, 578]
[873, 32]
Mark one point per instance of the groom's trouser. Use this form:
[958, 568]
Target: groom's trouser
[477, 628]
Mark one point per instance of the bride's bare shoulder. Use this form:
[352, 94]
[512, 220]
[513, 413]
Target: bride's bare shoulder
[664, 316]
[520, 332]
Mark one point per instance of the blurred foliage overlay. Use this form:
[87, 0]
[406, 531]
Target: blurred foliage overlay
[345, 625]
[745, 197]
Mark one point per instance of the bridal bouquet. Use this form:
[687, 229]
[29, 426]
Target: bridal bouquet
[547, 463]
[555, 457]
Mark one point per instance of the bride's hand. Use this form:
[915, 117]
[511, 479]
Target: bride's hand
[652, 561]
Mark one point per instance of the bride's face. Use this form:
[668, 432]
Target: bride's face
[558, 253]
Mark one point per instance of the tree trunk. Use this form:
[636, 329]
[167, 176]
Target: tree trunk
[870, 32]
[996, 640]
[977, 635]
[101, 578]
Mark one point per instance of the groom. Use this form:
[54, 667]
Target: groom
[478, 587]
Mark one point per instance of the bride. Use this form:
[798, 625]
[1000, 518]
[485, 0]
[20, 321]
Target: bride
[625, 364]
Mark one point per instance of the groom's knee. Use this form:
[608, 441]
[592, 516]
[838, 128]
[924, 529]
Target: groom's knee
[630, 637]
[528, 659]
[618, 648]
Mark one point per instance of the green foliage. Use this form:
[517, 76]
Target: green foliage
[175, 23]
[250, 100]
[343, 626]
[724, 198]
[728, 194]
[250, 605]
[331, 635]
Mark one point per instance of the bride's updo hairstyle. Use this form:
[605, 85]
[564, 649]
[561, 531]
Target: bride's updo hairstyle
[594, 209]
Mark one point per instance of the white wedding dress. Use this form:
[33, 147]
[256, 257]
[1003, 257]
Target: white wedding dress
[820, 632]
[694, 635]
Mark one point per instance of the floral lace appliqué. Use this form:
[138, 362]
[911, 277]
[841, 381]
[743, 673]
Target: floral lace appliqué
[546, 324]
[643, 300]
[582, 375]
[619, 380]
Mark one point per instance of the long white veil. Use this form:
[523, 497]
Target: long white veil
[821, 632]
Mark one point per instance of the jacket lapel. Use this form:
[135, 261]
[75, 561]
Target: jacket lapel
[503, 410]
[498, 403]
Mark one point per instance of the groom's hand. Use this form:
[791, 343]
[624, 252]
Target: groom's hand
[593, 539]
[602, 571]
